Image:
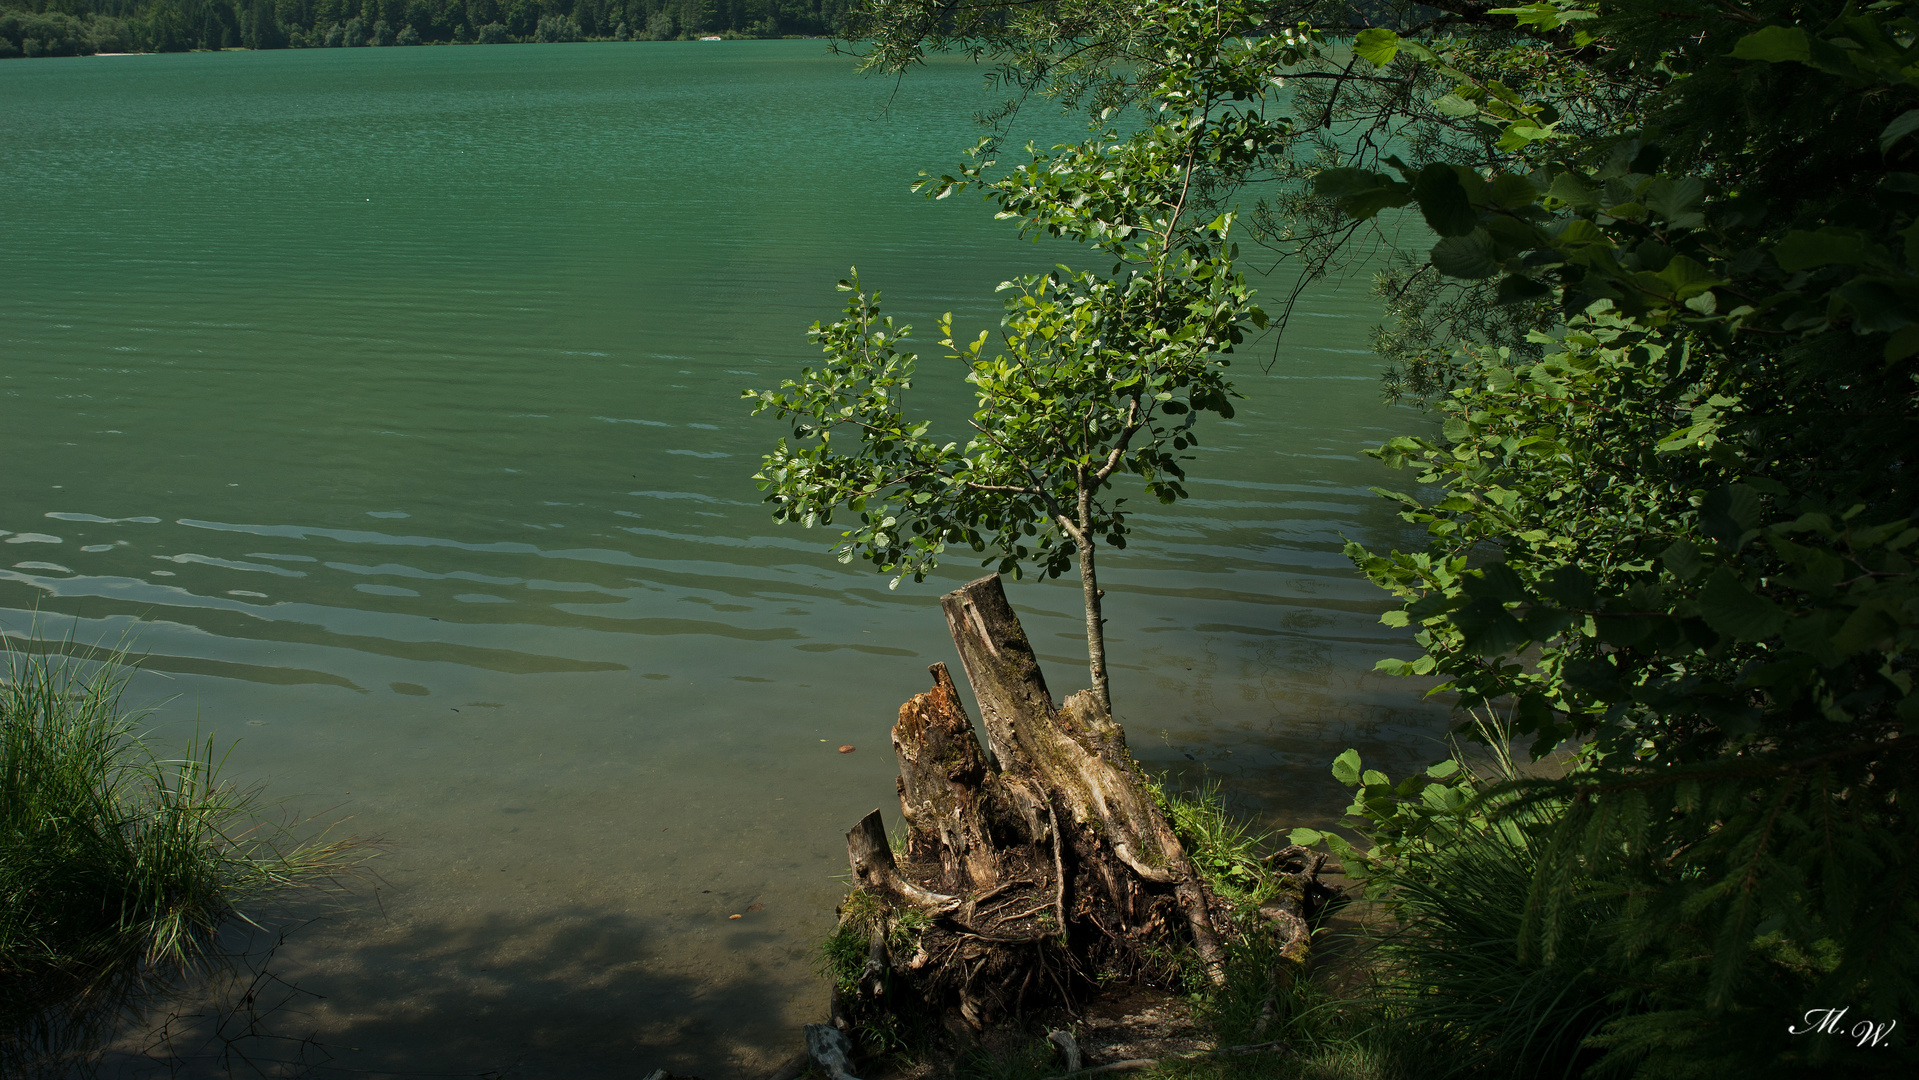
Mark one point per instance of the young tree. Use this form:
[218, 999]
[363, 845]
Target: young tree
[1097, 376]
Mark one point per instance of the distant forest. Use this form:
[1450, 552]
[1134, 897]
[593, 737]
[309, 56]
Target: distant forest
[83, 27]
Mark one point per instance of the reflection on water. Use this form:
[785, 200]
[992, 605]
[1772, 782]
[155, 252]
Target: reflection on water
[387, 400]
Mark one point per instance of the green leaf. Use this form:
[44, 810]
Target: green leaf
[1361, 193]
[1367, 203]
[1517, 289]
[1677, 199]
[1903, 343]
[1441, 770]
[1473, 256]
[1902, 125]
[1340, 183]
[1486, 628]
[1376, 46]
[1802, 250]
[1622, 630]
[1520, 133]
[1571, 190]
[1737, 612]
[1569, 586]
[1687, 278]
[1338, 846]
[1544, 623]
[1682, 558]
[1867, 628]
[1513, 191]
[1496, 582]
[1305, 837]
[1876, 305]
[1511, 234]
[1543, 15]
[1346, 767]
[1443, 202]
[1729, 513]
[1592, 675]
[1774, 44]
[1454, 105]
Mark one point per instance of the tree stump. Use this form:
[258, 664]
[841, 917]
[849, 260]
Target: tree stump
[1029, 874]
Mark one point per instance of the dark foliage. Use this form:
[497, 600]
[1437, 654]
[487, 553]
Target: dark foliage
[82, 27]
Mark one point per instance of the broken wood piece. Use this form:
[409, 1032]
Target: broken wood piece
[1075, 753]
[871, 856]
[1068, 1048]
[830, 1049]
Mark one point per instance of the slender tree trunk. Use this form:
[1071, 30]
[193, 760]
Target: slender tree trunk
[1089, 588]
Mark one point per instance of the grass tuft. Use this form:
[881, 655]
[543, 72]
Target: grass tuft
[117, 867]
[1225, 850]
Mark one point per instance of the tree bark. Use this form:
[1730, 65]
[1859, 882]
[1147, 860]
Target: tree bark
[1029, 874]
[1090, 591]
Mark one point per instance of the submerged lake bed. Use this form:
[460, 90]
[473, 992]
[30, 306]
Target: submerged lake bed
[386, 403]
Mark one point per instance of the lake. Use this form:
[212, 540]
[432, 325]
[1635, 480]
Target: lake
[385, 402]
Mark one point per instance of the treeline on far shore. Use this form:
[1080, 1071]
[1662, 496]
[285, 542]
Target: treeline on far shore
[30, 28]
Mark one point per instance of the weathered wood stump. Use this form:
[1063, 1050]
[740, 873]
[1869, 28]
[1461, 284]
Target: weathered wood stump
[1030, 873]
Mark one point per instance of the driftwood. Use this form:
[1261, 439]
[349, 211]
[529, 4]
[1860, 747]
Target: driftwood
[1033, 870]
[1068, 1048]
[830, 1050]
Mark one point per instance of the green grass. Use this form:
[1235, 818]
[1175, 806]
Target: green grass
[118, 867]
[1326, 1038]
[1457, 969]
[1223, 849]
[842, 956]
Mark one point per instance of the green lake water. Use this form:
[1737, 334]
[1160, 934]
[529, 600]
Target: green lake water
[387, 402]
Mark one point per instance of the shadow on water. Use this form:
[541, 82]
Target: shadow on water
[570, 992]
[87, 1024]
